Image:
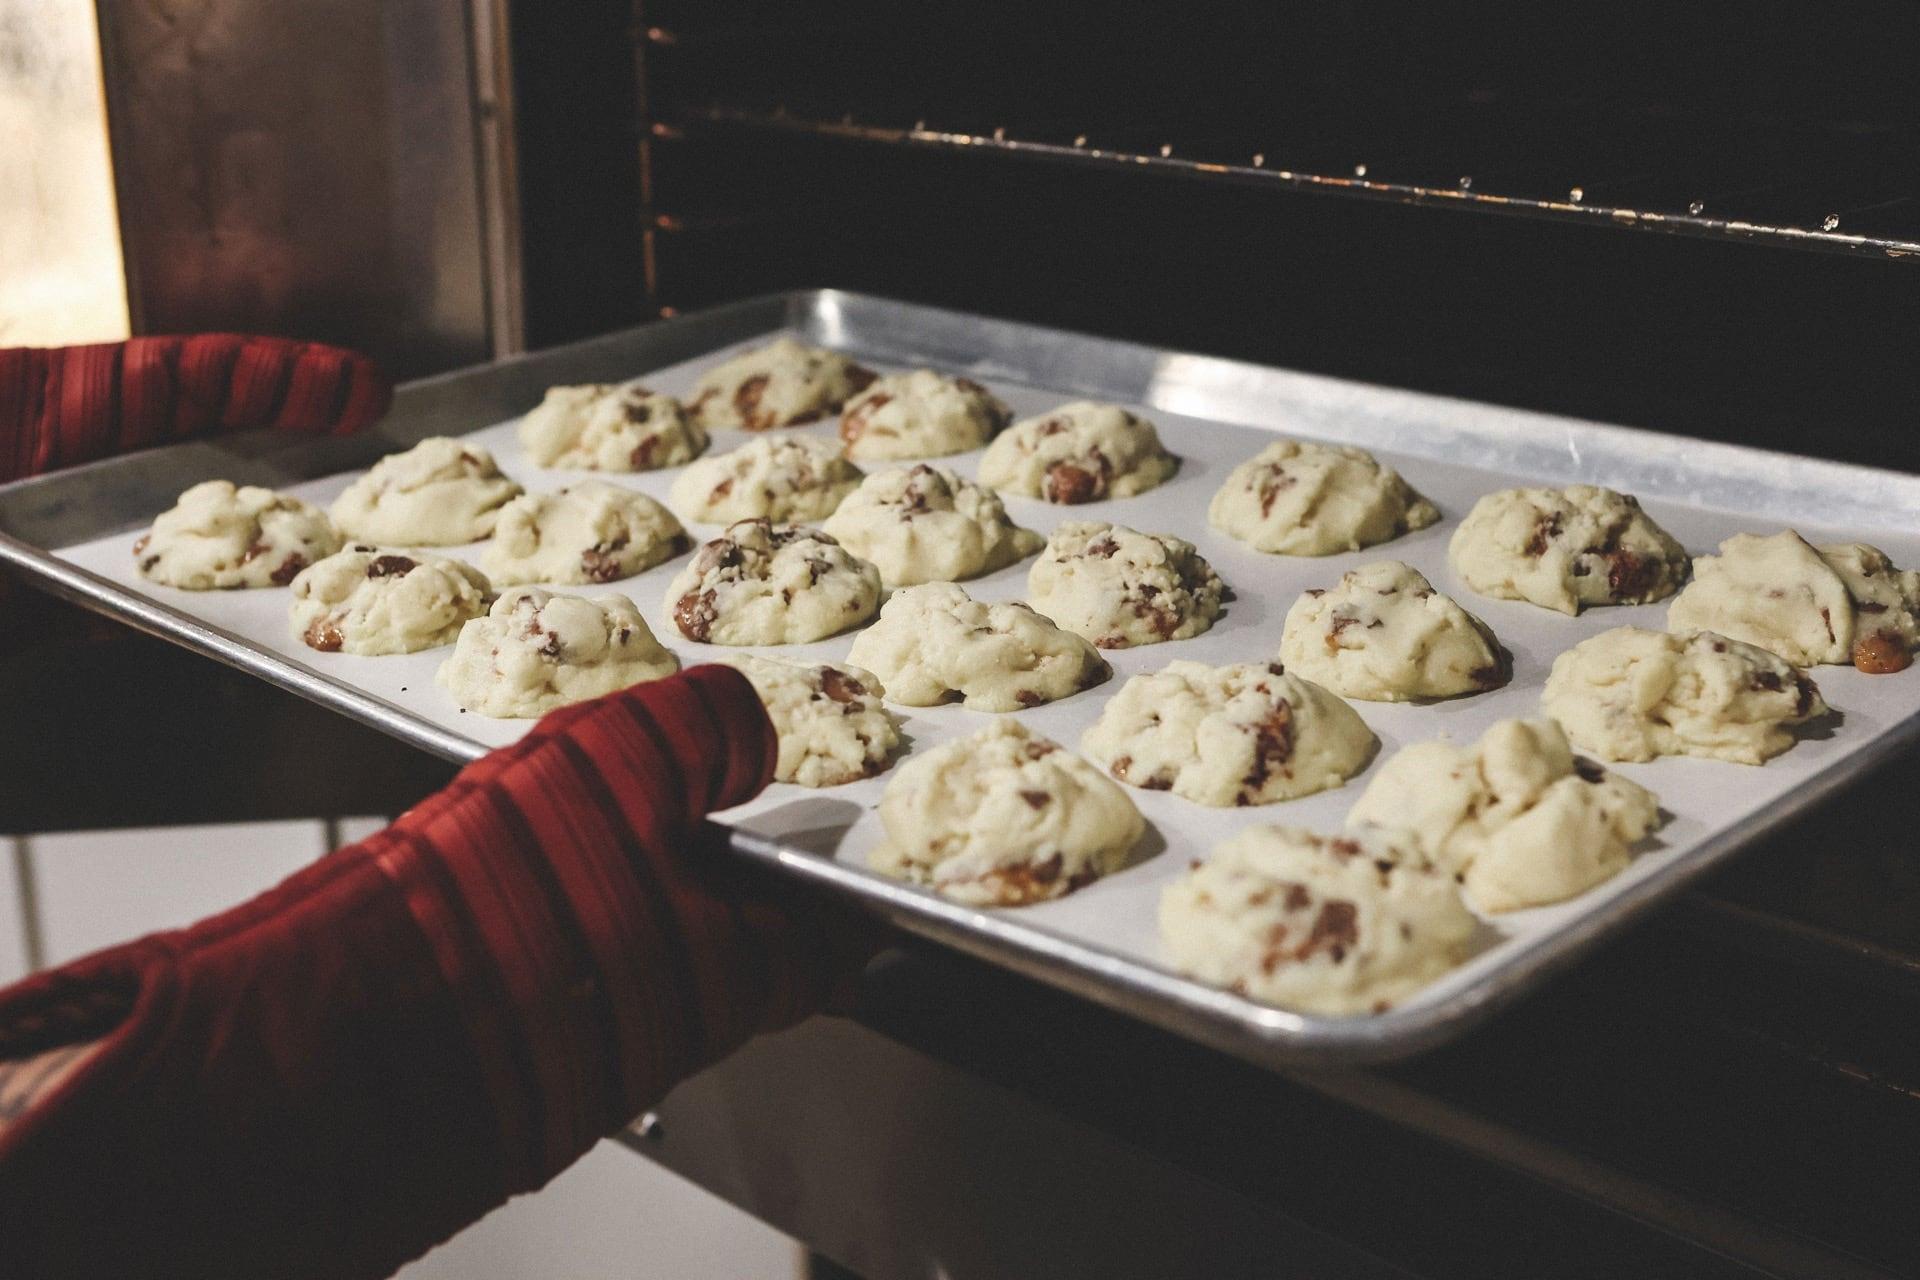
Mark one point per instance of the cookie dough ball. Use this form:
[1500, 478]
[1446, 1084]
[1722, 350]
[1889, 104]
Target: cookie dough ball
[829, 717]
[766, 583]
[367, 601]
[1566, 548]
[218, 537]
[1886, 606]
[1119, 587]
[773, 478]
[926, 524]
[440, 493]
[1002, 819]
[1515, 815]
[922, 414]
[1296, 498]
[1385, 635]
[1080, 452]
[535, 651]
[782, 384]
[1810, 605]
[1244, 734]
[1332, 925]
[1630, 694]
[591, 532]
[605, 427]
[935, 644]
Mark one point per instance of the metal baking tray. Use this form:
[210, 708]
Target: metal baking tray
[72, 531]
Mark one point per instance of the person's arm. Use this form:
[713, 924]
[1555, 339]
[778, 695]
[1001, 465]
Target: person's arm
[60, 406]
[26, 1080]
[345, 1071]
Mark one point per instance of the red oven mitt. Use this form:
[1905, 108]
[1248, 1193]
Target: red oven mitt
[345, 1071]
[61, 406]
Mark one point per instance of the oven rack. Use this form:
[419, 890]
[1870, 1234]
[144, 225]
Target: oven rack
[1836, 213]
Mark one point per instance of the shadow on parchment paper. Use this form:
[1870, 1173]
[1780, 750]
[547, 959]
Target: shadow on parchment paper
[816, 824]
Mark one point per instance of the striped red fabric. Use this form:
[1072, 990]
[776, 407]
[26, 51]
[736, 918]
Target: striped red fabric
[341, 1073]
[60, 406]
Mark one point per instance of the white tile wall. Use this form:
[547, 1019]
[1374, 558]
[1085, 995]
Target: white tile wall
[13, 939]
[97, 888]
[614, 1215]
[354, 830]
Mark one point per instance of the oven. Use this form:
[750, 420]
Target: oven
[1702, 219]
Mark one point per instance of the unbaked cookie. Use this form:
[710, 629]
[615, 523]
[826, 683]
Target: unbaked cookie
[535, 651]
[926, 524]
[218, 537]
[1630, 694]
[607, 427]
[440, 493]
[590, 532]
[1566, 548]
[1515, 815]
[1237, 735]
[935, 643]
[832, 725]
[1385, 635]
[922, 414]
[1003, 818]
[766, 583]
[1297, 498]
[1840, 603]
[782, 384]
[367, 601]
[774, 477]
[1119, 587]
[1334, 925]
[1079, 452]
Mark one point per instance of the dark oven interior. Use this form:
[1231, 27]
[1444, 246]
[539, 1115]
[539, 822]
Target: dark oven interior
[1702, 219]
[1696, 218]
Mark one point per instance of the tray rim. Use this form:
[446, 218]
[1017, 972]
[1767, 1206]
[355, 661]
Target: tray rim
[1260, 1033]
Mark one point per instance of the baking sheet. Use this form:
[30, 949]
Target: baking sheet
[1102, 940]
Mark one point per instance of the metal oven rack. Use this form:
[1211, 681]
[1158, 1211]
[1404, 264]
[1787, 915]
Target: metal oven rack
[1877, 217]
[1627, 118]
[1302, 187]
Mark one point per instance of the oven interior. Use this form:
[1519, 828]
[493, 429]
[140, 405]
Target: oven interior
[1699, 219]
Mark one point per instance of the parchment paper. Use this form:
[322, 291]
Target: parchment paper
[1118, 913]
